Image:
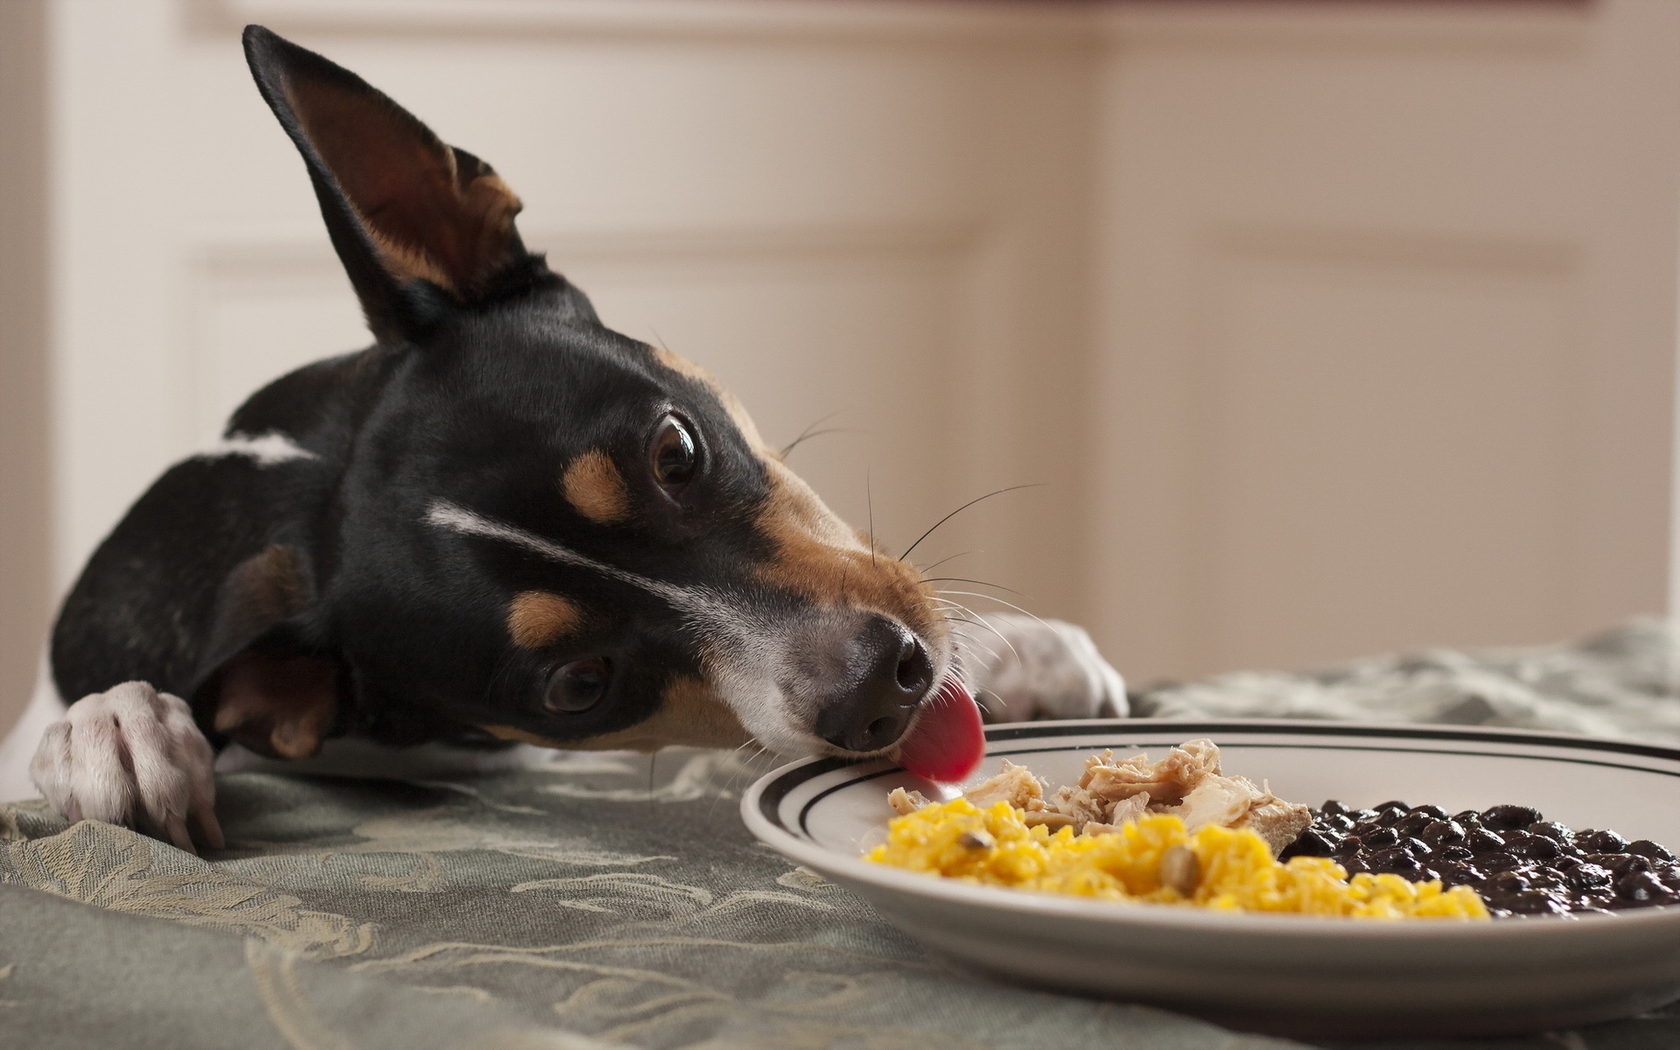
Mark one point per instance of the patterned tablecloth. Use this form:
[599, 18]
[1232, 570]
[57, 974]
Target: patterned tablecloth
[608, 901]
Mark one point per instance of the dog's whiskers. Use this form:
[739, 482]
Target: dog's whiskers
[959, 510]
[980, 701]
[980, 621]
[948, 557]
[812, 431]
[869, 496]
[969, 642]
[1000, 601]
[965, 579]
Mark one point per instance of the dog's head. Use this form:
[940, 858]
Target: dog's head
[557, 534]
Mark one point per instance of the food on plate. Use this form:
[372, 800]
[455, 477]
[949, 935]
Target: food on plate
[1176, 831]
[1153, 858]
[1188, 784]
[1519, 862]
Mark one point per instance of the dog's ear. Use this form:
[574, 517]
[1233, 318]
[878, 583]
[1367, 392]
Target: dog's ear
[402, 206]
[257, 683]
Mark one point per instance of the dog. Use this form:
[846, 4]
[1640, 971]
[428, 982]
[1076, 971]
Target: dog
[502, 522]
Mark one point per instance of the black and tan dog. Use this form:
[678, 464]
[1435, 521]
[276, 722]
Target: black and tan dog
[503, 520]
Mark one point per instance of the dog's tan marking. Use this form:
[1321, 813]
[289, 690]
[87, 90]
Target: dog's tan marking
[537, 618]
[522, 735]
[277, 706]
[596, 489]
[820, 556]
[689, 713]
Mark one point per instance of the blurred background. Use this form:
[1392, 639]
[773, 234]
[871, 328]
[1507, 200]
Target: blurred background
[1323, 329]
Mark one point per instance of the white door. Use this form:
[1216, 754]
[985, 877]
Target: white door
[1386, 328]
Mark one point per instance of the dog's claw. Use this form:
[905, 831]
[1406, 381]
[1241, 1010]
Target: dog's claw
[131, 755]
[209, 830]
[1034, 668]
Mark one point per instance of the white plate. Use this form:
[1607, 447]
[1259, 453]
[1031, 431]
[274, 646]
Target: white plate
[1285, 973]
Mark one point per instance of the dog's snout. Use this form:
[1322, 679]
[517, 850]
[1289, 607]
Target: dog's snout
[888, 672]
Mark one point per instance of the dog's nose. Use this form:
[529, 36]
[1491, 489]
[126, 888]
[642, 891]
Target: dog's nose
[888, 673]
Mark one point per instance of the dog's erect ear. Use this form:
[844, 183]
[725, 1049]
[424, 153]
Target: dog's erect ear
[256, 682]
[401, 205]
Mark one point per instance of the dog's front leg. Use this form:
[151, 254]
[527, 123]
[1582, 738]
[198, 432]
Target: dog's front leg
[1025, 668]
[131, 755]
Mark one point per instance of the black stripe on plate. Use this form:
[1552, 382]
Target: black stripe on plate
[770, 801]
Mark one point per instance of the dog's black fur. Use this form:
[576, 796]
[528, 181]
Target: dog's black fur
[315, 584]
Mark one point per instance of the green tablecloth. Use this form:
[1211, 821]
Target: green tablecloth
[588, 901]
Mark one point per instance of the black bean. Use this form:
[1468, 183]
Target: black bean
[1647, 848]
[1629, 863]
[1332, 808]
[1454, 873]
[1592, 841]
[1539, 847]
[1312, 843]
[1507, 882]
[1454, 853]
[1551, 829]
[1396, 860]
[1484, 841]
[1431, 811]
[1443, 833]
[1511, 817]
[1533, 902]
[1380, 838]
[1412, 823]
[1587, 876]
[1516, 840]
[1497, 861]
[1639, 887]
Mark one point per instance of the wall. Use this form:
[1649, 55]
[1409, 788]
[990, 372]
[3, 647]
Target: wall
[1386, 333]
[26, 511]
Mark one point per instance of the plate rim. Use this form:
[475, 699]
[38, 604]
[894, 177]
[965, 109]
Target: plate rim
[1027, 903]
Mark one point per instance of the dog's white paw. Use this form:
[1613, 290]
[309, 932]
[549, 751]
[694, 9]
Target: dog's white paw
[1032, 668]
[131, 755]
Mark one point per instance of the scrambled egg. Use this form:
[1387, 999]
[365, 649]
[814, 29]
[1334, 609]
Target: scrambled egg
[1153, 859]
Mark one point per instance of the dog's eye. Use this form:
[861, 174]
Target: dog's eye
[675, 456]
[577, 686]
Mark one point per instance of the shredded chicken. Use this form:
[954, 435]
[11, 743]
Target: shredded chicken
[1276, 821]
[1015, 785]
[906, 802]
[1188, 783]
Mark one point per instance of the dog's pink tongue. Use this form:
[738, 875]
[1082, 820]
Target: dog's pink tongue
[947, 742]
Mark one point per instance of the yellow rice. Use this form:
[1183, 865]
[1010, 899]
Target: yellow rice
[1233, 869]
